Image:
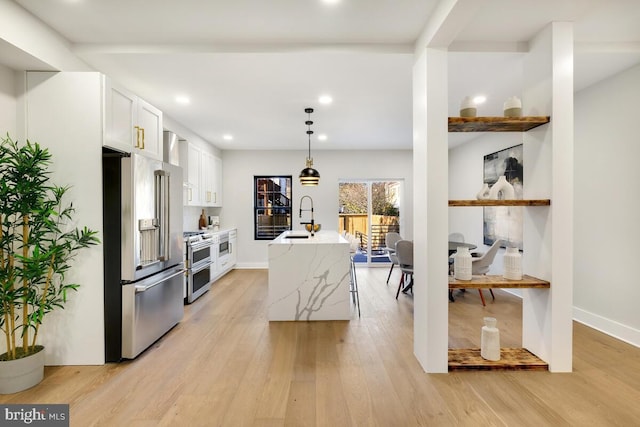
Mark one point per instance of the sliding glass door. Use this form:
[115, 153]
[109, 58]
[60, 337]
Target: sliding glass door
[368, 210]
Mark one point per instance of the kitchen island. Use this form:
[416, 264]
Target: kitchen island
[309, 276]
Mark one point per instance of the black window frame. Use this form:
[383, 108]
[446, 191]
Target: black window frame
[261, 233]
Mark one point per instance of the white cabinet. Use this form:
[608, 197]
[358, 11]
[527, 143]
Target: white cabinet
[233, 255]
[190, 160]
[211, 180]
[132, 124]
[203, 176]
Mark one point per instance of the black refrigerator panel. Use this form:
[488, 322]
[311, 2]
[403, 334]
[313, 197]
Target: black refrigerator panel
[112, 222]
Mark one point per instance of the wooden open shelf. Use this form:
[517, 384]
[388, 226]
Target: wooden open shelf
[496, 124]
[489, 281]
[512, 359]
[487, 202]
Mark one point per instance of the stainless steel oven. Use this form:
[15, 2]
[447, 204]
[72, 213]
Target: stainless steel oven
[199, 260]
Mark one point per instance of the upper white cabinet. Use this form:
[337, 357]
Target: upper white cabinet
[211, 180]
[203, 176]
[194, 157]
[132, 124]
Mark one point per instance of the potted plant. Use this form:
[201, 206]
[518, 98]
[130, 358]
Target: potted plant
[37, 245]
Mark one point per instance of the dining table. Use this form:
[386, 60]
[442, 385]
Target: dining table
[453, 246]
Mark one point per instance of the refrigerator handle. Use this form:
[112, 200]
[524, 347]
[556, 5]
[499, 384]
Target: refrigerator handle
[162, 212]
[143, 288]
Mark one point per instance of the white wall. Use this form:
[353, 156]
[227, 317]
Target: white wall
[607, 202]
[241, 166]
[64, 114]
[8, 106]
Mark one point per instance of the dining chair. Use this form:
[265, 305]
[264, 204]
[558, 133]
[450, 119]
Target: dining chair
[456, 237]
[404, 251]
[482, 264]
[390, 240]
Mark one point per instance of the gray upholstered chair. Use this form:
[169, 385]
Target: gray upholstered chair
[390, 240]
[482, 264]
[404, 251]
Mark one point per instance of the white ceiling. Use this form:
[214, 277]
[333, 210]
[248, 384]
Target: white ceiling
[250, 67]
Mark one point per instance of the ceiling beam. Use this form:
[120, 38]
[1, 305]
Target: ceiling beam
[449, 17]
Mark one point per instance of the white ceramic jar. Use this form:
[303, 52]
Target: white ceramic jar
[512, 264]
[468, 107]
[513, 107]
[462, 264]
[490, 340]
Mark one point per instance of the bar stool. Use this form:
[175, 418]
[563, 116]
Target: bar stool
[353, 284]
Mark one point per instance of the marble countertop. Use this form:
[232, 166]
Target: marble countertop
[325, 237]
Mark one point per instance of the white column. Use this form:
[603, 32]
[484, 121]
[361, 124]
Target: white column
[430, 196]
[548, 232]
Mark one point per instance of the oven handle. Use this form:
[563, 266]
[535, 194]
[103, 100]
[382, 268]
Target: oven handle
[199, 267]
[143, 288]
[201, 245]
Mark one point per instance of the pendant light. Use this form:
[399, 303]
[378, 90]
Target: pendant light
[309, 176]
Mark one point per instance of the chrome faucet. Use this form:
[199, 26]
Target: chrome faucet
[300, 216]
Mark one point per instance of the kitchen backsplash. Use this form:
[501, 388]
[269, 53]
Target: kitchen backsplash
[191, 215]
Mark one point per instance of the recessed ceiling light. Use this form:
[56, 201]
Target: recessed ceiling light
[182, 99]
[480, 99]
[331, 1]
[325, 99]
[322, 137]
[227, 137]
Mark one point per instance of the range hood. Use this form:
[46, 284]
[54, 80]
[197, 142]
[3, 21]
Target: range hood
[170, 153]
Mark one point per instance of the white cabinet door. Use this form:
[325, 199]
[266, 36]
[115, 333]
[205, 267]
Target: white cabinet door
[120, 110]
[233, 254]
[132, 124]
[211, 180]
[205, 179]
[149, 125]
[216, 177]
[194, 156]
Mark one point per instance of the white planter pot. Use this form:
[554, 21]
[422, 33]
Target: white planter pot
[512, 264]
[21, 374]
[462, 264]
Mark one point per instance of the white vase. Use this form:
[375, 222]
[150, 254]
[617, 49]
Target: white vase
[483, 193]
[490, 340]
[512, 264]
[502, 190]
[462, 263]
[467, 107]
[513, 107]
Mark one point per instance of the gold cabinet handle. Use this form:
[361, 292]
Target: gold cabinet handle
[137, 128]
[142, 131]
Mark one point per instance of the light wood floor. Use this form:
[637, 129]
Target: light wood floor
[226, 365]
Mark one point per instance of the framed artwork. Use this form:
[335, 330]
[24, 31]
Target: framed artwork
[504, 222]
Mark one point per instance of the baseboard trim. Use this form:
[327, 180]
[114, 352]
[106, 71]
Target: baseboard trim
[607, 326]
[252, 266]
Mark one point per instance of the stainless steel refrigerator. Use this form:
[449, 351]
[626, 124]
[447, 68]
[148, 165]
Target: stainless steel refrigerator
[144, 272]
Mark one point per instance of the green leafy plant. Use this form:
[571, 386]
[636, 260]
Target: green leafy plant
[37, 245]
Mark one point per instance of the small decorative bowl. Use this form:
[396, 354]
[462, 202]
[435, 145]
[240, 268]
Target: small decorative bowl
[316, 227]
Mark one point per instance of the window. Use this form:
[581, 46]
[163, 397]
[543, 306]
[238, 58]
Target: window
[272, 206]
